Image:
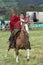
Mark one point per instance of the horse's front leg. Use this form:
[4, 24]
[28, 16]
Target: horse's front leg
[27, 54]
[28, 48]
[7, 52]
[17, 56]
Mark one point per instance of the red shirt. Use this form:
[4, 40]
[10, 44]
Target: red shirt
[15, 22]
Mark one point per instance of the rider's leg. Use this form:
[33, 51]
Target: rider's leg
[12, 36]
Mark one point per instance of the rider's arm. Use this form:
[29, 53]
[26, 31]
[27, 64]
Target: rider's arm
[22, 20]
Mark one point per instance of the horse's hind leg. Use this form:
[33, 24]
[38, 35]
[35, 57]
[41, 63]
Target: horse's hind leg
[28, 48]
[27, 54]
[17, 55]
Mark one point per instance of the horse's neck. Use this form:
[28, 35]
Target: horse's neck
[23, 27]
[22, 33]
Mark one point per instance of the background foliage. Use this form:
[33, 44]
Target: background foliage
[21, 6]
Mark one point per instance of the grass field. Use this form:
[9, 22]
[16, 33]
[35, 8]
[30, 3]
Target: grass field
[36, 53]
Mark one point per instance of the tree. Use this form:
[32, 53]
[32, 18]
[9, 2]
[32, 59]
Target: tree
[9, 4]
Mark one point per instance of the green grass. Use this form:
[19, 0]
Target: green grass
[36, 53]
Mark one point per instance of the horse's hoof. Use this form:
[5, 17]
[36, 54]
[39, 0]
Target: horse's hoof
[28, 59]
[17, 61]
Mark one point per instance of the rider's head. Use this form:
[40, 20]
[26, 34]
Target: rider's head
[21, 15]
[12, 12]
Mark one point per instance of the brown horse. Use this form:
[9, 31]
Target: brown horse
[21, 42]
